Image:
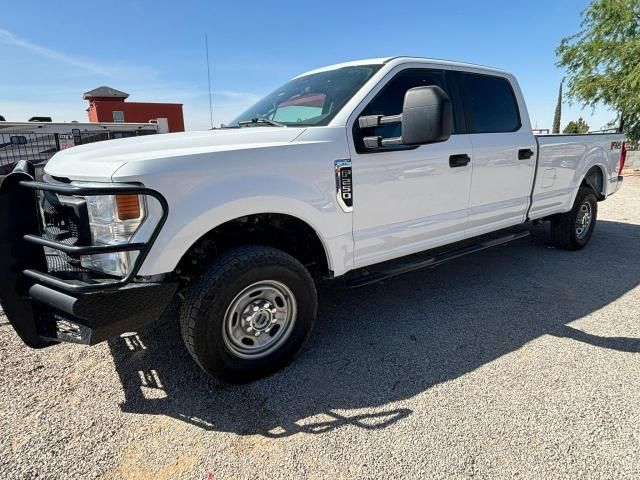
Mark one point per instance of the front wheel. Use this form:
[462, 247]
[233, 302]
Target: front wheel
[573, 230]
[249, 313]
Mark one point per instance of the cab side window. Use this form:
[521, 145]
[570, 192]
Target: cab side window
[491, 105]
[389, 102]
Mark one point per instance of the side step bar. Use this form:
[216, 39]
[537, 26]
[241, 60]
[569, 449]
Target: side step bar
[424, 260]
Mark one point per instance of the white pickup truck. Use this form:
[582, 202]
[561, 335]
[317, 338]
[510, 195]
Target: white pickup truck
[360, 171]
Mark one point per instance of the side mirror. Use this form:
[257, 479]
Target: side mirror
[427, 116]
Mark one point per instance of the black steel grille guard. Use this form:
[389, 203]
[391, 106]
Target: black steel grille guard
[72, 190]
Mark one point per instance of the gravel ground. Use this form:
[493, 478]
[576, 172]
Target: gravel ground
[521, 362]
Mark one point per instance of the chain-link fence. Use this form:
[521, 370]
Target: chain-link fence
[38, 148]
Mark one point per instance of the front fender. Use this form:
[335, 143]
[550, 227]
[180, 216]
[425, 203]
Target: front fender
[196, 211]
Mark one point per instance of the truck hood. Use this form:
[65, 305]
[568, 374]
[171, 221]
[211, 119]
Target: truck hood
[99, 161]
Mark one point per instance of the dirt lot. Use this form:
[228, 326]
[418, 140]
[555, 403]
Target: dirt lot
[520, 361]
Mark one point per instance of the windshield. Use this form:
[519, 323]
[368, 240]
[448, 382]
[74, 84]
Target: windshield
[310, 100]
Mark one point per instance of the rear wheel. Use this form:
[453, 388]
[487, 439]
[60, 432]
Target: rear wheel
[573, 230]
[249, 314]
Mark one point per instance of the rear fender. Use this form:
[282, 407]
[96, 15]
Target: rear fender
[601, 194]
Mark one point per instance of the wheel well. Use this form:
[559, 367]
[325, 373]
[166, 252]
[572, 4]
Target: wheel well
[595, 180]
[284, 232]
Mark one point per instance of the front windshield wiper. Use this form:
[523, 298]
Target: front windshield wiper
[260, 121]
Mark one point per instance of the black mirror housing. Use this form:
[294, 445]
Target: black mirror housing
[427, 116]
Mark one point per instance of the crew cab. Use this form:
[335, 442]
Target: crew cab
[359, 171]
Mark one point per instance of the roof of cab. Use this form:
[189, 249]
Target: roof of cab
[400, 60]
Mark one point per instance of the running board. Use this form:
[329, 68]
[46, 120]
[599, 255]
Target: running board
[395, 268]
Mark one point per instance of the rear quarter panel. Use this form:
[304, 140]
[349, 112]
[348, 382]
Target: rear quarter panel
[563, 162]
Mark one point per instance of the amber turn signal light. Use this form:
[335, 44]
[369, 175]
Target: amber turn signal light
[128, 207]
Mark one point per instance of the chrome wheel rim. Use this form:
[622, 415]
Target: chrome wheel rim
[583, 221]
[259, 319]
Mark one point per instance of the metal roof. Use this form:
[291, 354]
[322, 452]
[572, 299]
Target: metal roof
[105, 92]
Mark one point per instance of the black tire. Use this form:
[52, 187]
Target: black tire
[564, 229]
[209, 299]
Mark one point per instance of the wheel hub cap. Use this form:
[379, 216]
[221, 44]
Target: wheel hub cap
[583, 220]
[259, 319]
[259, 316]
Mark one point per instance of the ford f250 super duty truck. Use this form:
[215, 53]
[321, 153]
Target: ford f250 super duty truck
[363, 171]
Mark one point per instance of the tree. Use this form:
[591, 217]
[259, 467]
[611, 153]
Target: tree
[576, 127]
[603, 60]
[558, 115]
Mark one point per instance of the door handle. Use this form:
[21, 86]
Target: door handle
[460, 160]
[525, 154]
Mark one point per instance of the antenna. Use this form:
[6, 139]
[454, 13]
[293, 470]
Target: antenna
[206, 43]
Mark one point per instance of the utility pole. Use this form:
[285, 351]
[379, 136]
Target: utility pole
[206, 42]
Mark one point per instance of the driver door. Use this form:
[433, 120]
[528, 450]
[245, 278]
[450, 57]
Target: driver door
[407, 199]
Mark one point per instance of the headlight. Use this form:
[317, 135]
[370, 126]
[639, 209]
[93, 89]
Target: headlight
[113, 220]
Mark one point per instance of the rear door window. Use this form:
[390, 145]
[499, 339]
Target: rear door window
[490, 103]
[18, 140]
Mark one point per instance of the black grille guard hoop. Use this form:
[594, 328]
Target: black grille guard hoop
[143, 247]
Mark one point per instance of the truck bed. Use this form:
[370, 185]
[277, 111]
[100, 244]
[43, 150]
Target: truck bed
[562, 163]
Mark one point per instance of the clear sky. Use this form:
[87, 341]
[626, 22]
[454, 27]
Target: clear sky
[52, 52]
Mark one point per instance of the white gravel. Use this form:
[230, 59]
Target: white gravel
[522, 361]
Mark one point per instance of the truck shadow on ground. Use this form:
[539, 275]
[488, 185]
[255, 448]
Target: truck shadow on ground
[385, 343]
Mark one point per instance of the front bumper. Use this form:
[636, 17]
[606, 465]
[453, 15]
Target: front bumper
[46, 308]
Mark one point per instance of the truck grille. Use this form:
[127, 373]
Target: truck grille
[58, 223]
[62, 223]
[61, 263]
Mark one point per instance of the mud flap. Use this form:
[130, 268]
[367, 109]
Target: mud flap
[19, 216]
